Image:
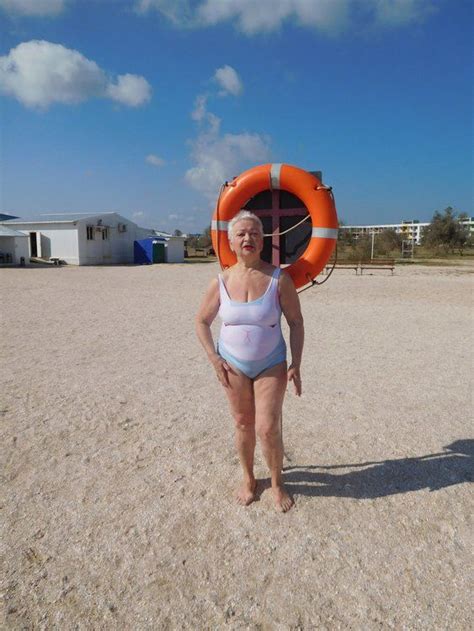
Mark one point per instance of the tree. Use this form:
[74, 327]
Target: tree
[177, 233]
[344, 237]
[362, 248]
[445, 232]
[192, 242]
[205, 239]
[387, 241]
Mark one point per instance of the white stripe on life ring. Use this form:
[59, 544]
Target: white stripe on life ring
[219, 225]
[325, 233]
[275, 174]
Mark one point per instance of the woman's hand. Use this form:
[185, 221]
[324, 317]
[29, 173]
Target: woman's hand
[295, 377]
[291, 308]
[222, 369]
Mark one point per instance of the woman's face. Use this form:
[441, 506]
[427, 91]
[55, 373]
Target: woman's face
[247, 240]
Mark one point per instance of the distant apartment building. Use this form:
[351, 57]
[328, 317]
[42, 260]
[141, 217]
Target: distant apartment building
[411, 230]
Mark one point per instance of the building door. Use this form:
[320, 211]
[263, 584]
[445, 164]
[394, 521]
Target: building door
[33, 246]
[158, 253]
[106, 247]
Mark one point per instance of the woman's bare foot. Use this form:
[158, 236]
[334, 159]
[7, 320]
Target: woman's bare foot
[283, 501]
[246, 492]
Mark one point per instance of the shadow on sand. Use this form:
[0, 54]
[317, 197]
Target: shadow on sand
[388, 477]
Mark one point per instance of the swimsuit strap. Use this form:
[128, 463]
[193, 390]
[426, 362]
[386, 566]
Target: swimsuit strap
[274, 285]
[224, 296]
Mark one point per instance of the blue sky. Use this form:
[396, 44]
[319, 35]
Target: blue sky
[144, 107]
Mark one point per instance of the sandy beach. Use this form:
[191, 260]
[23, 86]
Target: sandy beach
[119, 466]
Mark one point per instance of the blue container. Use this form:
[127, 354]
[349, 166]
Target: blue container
[147, 251]
[143, 252]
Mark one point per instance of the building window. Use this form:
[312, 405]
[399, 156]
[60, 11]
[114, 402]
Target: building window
[105, 234]
[90, 233]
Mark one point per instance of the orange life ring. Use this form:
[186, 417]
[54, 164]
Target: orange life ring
[317, 198]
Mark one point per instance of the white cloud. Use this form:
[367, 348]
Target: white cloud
[177, 11]
[399, 12]
[173, 216]
[251, 17]
[156, 161]
[199, 111]
[201, 115]
[218, 158]
[221, 158]
[229, 81]
[259, 16]
[39, 73]
[130, 89]
[138, 214]
[33, 7]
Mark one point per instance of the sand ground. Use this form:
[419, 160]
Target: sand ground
[119, 465]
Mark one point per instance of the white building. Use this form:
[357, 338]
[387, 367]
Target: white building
[79, 239]
[469, 222]
[410, 230]
[13, 246]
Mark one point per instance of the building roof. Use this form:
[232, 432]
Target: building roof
[404, 224]
[159, 234]
[8, 232]
[57, 218]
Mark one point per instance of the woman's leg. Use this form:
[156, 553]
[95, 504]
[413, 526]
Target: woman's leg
[269, 390]
[242, 405]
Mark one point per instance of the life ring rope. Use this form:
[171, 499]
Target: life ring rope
[314, 282]
[279, 234]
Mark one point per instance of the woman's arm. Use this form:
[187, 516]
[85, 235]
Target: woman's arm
[290, 305]
[204, 318]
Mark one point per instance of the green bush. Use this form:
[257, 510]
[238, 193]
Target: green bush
[446, 234]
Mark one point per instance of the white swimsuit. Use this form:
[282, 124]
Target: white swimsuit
[250, 337]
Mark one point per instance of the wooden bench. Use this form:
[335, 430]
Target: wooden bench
[342, 264]
[377, 264]
[360, 266]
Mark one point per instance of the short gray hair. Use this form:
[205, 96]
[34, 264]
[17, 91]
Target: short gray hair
[244, 214]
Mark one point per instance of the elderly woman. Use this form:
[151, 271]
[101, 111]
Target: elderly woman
[250, 360]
